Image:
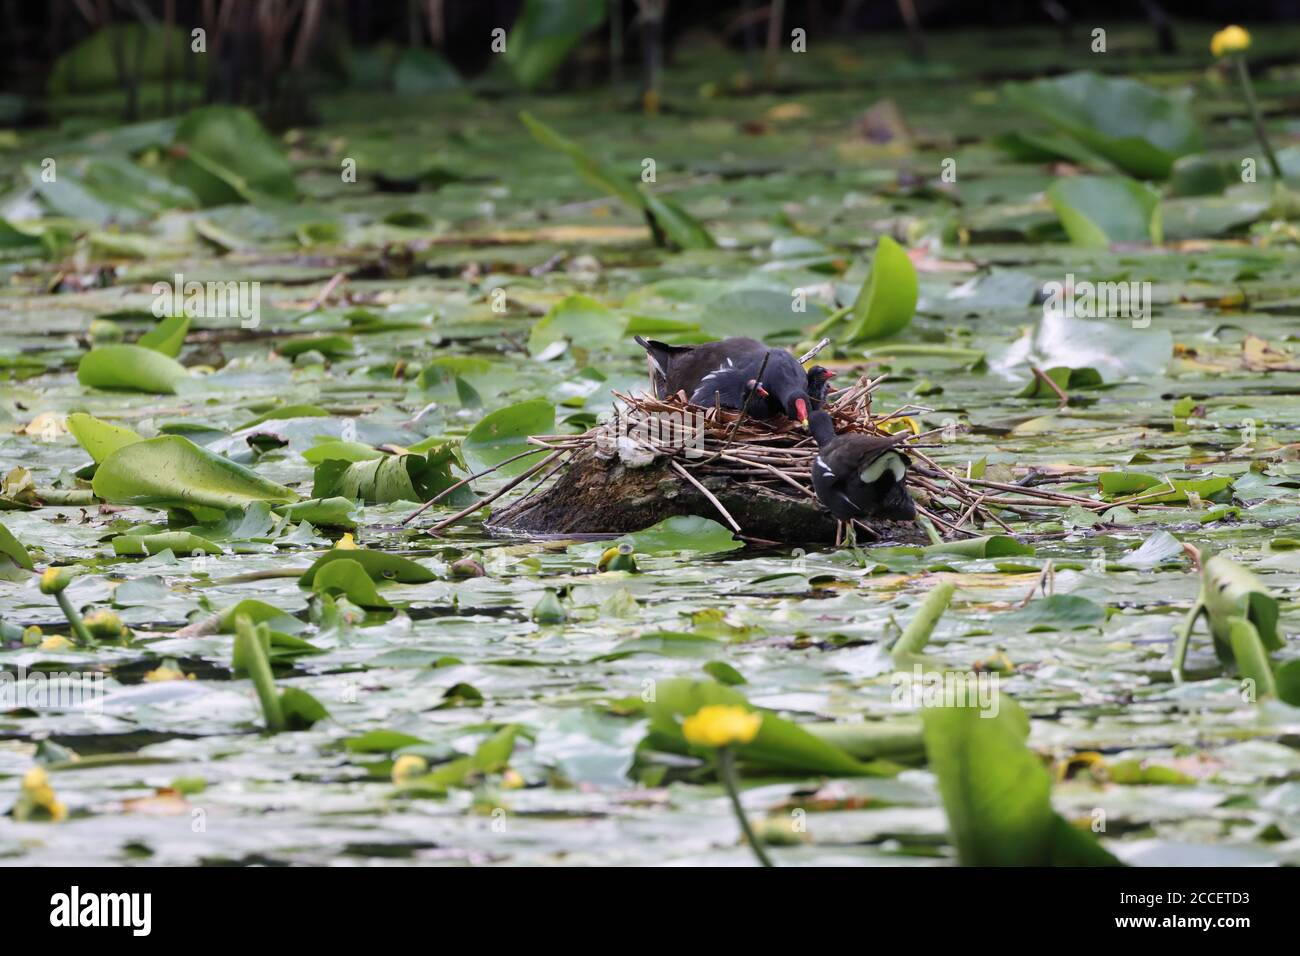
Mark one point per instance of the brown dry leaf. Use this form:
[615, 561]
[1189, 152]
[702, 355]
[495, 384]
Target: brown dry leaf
[787, 112]
[1258, 356]
[165, 803]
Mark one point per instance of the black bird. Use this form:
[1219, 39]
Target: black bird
[859, 476]
[726, 371]
[819, 382]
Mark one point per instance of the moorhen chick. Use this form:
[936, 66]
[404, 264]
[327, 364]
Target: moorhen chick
[859, 476]
[819, 382]
[724, 372]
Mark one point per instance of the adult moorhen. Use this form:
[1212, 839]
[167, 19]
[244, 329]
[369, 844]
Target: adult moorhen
[859, 476]
[726, 371]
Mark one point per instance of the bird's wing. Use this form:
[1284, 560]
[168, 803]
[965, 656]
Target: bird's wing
[888, 461]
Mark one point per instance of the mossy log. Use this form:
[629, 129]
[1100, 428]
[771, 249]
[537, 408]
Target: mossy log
[597, 495]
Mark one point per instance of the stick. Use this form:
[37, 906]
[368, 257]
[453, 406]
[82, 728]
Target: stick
[447, 522]
[464, 481]
[1062, 398]
[325, 293]
[812, 352]
[707, 494]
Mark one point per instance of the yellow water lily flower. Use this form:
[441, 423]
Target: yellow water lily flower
[1233, 39]
[55, 642]
[346, 543]
[408, 767]
[721, 726]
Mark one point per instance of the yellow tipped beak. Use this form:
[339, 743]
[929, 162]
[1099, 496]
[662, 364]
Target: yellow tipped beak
[803, 422]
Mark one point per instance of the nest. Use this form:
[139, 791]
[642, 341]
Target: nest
[663, 457]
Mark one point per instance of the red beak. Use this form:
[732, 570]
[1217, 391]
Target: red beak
[801, 408]
[830, 374]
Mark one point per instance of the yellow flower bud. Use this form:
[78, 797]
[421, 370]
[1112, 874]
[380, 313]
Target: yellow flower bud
[1231, 39]
[512, 780]
[105, 625]
[346, 543]
[37, 800]
[408, 767]
[54, 580]
[36, 778]
[165, 673]
[721, 726]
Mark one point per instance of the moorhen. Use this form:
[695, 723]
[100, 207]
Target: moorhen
[859, 476]
[726, 371]
[819, 382]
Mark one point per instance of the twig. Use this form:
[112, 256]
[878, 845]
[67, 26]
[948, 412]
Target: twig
[812, 352]
[707, 494]
[1062, 398]
[465, 481]
[325, 293]
[469, 510]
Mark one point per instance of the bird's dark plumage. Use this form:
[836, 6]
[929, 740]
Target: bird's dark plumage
[859, 476]
[819, 382]
[726, 371]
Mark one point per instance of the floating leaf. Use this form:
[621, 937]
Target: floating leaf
[390, 478]
[178, 542]
[167, 336]
[100, 439]
[668, 221]
[227, 157]
[682, 533]
[350, 451]
[322, 512]
[581, 320]
[504, 433]
[887, 300]
[12, 549]
[780, 746]
[1135, 126]
[1229, 591]
[990, 546]
[380, 565]
[1066, 379]
[1251, 658]
[174, 472]
[997, 793]
[346, 576]
[922, 624]
[1059, 612]
[1101, 210]
[130, 368]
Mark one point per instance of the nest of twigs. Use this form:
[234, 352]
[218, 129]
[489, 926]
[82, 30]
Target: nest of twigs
[663, 457]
